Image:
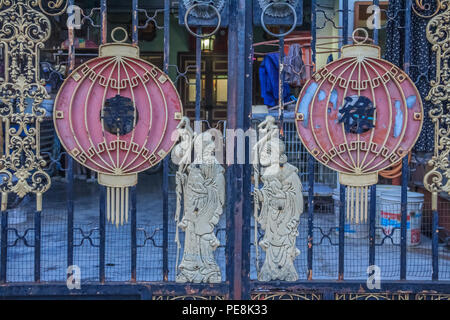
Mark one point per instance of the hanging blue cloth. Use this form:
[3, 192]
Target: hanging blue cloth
[268, 77]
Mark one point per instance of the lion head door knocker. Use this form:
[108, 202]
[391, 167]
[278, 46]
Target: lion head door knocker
[203, 13]
[359, 115]
[278, 12]
[115, 114]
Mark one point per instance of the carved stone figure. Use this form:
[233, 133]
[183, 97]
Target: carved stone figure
[280, 202]
[202, 185]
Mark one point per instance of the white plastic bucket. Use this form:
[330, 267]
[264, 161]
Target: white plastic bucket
[390, 216]
[351, 230]
[380, 189]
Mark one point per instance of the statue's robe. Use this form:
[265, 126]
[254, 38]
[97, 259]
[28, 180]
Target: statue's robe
[204, 198]
[281, 207]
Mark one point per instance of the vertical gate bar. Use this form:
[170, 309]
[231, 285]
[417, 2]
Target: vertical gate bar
[70, 211]
[345, 22]
[238, 113]
[342, 188]
[102, 215]
[166, 160]
[310, 213]
[404, 214]
[37, 246]
[133, 190]
[135, 22]
[103, 22]
[102, 229]
[434, 245]
[281, 81]
[373, 188]
[198, 77]
[69, 191]
[341, 231]
[405, 165]
[248, 101]
[133, 221]
[4, 247]
[311, 162]
[375, 30]
[372, 218]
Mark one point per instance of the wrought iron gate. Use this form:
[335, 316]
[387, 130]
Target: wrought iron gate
[24, 29]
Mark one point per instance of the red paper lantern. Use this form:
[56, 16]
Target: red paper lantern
[358, 115]
[116, 114]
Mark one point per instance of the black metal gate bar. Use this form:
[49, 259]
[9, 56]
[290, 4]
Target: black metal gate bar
[435, 245]
[373, 188]
[102, 229]
[37, 246]
[238, 117]
[405, 165]
[133, 240]
[166, 160]
[248, 101]
[69, 159]
[102, 215]
[342, 188]
[198, 78]
[133, 190]
[341, 252]
[281, 80]
[311, 160]
[372, 218]
[4, 246]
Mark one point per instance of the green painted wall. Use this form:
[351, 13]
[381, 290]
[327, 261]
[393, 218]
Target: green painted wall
[179, 42]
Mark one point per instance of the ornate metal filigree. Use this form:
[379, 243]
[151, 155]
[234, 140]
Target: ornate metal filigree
[432, 296]
[438, 34]
[23, 31]
[371, 296]
[287, 296]
[188, 297]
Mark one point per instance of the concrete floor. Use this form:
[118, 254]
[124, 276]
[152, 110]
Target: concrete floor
[149, 259]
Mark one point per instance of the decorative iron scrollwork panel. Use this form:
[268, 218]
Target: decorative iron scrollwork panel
[437, 180]
[287, 296]
[372, 296]
[187, 297]
[23, 32]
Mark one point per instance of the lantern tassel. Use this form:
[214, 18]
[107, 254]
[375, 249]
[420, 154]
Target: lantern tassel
[117, 205]
[117, 196]
[357, 204]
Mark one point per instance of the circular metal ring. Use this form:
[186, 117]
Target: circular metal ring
[219, 22]
[366, 34]
[279, 35]
[119, 29]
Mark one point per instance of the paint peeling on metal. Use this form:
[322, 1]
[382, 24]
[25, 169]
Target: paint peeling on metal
[411, 101]
[398, 119]
[306, 101]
